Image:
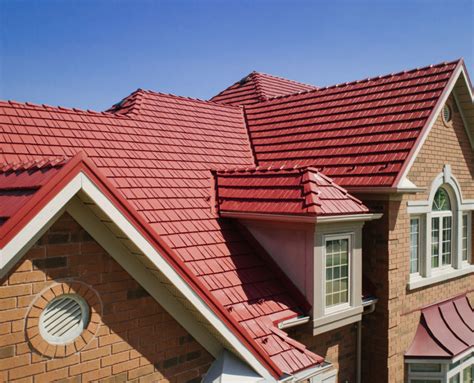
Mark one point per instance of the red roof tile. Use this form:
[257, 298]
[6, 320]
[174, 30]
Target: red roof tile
[357, 133]
[445, 330]
[258, 87]
[287, 191]
[158, 156]
[20, 181]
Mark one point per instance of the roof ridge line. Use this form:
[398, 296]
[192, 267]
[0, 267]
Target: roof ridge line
[171, 95]
[258, 87]
[285, 79]
[58, 108]
[365, 80]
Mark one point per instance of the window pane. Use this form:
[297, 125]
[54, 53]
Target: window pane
[441, 200]
[467, 374]
[455, 379]
[446, 255]
[435, 242]
[414, 244]
[337, 272]
[425, 367]
[425, 381]
[464, 237]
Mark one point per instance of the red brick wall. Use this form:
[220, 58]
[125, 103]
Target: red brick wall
[137, 340]
[337, 346]
[388, 332]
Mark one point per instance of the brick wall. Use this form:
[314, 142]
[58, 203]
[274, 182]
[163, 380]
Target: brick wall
[337, 346]
[136, 340]
[388, 332]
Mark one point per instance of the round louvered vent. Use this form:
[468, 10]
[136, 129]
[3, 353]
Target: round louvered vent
[64, 319]
[447, 115]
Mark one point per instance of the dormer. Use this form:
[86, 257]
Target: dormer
[310, 226]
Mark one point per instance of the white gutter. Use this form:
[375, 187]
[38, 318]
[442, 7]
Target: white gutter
[293, 322]
[349, 218]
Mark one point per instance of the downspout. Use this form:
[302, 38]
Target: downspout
[370, 305]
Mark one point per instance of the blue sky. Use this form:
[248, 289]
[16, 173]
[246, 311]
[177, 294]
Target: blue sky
[92, 53]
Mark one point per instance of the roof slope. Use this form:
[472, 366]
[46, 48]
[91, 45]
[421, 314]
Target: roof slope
[258, 87]
[290, 191]
[159, 162]
[19, 182]
[357, 133]
[445, 330]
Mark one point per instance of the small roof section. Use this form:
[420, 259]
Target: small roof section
[19, 181]
[445, 331]
[287, 191]
[258, 87]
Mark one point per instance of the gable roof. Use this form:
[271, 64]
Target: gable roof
[285, 191]
[257, 87]
[359, 133]
[159, 165]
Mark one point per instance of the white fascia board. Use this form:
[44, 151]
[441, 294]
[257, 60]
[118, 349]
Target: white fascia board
[349, 218]
[157, 259]
[434, 115]
[105, 238]
[36, 227]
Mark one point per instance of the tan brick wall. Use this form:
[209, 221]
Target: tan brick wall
[137, 340]
[398, 309]
[337, 346]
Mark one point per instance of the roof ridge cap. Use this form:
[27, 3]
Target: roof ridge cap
[153, 92]
[367, 79]
[58, 108]
[285, 79]
[258, 86]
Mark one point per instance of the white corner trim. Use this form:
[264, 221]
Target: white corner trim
[432, 119]
[417, 281]
[31, 232]
[23, 240]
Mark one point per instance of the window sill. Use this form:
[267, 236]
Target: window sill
[337, 319]
[417, 281]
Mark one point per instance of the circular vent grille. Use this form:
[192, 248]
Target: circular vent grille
[447, 116]
[64, 318]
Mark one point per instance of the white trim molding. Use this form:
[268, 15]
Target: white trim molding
[459, 71]
[427, 275]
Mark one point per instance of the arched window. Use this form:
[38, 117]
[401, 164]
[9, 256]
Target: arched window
[441, 229]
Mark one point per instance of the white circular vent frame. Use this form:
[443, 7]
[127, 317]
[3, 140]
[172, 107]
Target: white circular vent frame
[63, 319]
[447, 114]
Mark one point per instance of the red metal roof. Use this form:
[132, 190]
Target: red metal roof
[288, 191]
[158, 158]
[445, 330]
[359, 133]
[20, 181]
[258, 87]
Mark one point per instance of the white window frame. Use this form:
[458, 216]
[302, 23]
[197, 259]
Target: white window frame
[342, 315]
[459, 206]
[466, 359]
[440, 215]
[469, 260]
[348, 304]
[419, 244]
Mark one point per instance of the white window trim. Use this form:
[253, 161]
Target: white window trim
[346, 305]
[420, 245]
[440, 215]
[428, 275]
[445, 373]
[332, 318]
[469, 239]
